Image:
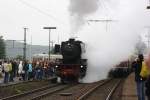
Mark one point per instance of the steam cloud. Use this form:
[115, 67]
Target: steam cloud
[105, 48]
[79, 9]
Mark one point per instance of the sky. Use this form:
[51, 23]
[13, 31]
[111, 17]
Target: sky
[36, 14]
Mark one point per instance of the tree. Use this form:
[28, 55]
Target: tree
[2, 48]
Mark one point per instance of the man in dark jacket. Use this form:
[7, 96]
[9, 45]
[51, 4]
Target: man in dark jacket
[14, 68]
[25, 68]
[137, 65]
[147, 85]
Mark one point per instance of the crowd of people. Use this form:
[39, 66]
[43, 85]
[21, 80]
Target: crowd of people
[25, 70]
[141, 67]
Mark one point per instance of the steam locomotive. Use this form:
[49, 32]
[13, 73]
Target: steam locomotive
[71, 67]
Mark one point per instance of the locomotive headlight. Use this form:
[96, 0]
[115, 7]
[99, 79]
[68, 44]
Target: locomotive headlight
[81, 66]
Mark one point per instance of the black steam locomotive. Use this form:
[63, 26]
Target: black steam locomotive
[71, 67]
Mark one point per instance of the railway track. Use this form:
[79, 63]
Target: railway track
[84, 91]
[19, 88]
[29, 95]
[113, 90]
[102, 91]
[50, 92]
[21, 82]
[94, 91]
[72, 93]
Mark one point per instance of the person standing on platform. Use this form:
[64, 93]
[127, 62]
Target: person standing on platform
[14, 68]
[20, 69]
[37, 69]
[25, 68]
[6, 71]
[147, 83]
[29, 71]
[10, 72]
[1, 68]
[137, 65]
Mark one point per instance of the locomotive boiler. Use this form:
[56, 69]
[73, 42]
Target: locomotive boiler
[71, 67]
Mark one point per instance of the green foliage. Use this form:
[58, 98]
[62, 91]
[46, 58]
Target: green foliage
[2, 48]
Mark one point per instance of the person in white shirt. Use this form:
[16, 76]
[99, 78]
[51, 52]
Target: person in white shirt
[21, 72]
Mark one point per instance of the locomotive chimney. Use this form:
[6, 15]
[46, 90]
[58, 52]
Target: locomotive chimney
[71, 40]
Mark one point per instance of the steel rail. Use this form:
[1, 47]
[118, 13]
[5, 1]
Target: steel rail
[28, 92]
[93, 89]
[49, 93]
[113, 90]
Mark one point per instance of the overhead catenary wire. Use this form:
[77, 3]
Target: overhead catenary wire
[104, 5]
[40, 11]
[43, 12]
[108, 13]
[65, 29]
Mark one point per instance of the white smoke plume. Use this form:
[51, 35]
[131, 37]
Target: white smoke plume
[79, 9]
[105, 48]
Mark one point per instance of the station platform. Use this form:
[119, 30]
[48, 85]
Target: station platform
[129, 88]
[16, 80]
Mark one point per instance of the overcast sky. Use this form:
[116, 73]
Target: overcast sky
[35, 14]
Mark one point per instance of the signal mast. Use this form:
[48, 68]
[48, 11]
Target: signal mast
[148, 7]
[102, 20]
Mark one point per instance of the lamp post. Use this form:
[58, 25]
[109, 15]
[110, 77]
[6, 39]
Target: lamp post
[25, 47]
[49, 28]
